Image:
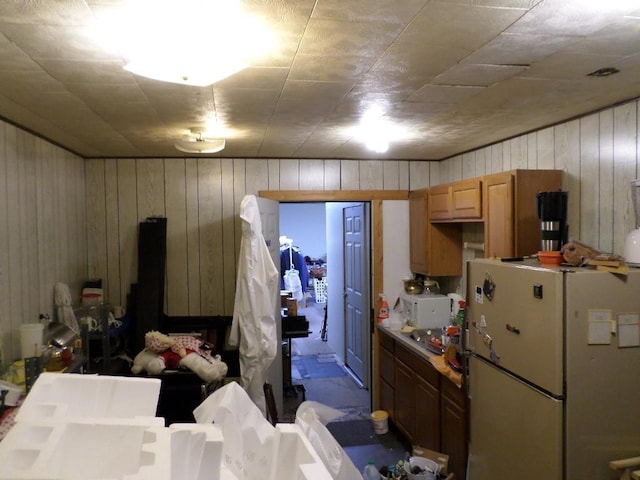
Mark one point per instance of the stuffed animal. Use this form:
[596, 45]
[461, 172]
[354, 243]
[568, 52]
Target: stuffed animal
[162, 351]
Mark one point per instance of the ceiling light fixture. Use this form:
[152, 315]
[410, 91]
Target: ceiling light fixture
[189, 42]
[197, 142]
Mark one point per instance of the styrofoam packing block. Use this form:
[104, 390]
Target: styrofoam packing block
[294, 449]
[84, 450]
[198, 457]
[70, 396]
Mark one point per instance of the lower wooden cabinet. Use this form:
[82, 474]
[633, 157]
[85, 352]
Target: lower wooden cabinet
[426, 407]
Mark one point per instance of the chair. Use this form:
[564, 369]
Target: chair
[272, 410]
[628, 468]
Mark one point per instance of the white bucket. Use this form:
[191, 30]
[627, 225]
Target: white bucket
[380, 420]
[31, 339]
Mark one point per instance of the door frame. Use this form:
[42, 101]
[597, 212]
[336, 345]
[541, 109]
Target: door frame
[375, 198]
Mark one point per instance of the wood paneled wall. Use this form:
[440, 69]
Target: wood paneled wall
[42, 230]
[65, 219]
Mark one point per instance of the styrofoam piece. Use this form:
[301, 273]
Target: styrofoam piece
[196, 452]
[86, 450]
[72, 396]
[295, 450]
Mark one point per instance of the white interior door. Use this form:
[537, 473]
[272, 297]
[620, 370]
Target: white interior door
[270, 218]
[357, 291]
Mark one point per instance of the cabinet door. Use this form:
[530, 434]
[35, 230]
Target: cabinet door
[498, 218]
[427, 406]
[418, 230]
[453, 440]
[440, 203]
[466, 199]
[404, 400]
[387, 399]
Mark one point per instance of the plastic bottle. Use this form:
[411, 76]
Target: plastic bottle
[383, 311]
[370, 471]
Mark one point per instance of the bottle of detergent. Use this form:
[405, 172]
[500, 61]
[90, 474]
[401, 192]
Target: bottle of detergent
[383, 310]
[370, 472]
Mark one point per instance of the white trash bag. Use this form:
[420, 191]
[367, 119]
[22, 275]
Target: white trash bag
[292, 279]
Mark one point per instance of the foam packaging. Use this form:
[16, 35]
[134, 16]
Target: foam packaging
[85, 427]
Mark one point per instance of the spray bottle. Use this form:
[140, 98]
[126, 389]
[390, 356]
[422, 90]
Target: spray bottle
[383, 310]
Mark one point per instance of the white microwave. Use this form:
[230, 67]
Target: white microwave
[425, 310]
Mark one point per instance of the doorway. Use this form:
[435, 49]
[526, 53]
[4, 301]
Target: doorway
[317, 229]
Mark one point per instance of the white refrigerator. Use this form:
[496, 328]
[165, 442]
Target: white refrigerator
[553, 370]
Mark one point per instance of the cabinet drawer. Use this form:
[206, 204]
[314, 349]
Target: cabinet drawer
[386, 366]
[420, 366]
[454, 394]
[386, 341]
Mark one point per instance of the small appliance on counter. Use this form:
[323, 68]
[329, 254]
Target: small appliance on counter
[425, 310]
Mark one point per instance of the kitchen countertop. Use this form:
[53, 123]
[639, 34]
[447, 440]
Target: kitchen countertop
[422, 351]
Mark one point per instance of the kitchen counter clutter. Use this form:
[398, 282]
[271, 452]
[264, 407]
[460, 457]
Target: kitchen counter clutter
[103, 427]
[422, 396]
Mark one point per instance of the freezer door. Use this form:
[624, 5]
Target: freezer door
[516, 432]
[519, 325]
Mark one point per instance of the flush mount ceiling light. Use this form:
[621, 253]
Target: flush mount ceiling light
[189, 42]
[197, 142]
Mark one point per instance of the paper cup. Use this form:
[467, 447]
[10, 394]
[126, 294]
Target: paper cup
[380, 420]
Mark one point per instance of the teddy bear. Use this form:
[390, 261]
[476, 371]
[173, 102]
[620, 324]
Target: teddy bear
[163, 351]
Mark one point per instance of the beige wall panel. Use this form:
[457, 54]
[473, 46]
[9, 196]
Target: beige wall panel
[332, 176]
[210, 181]
[51, 210]
[469, 165]
[370, 175]
[519, 152]
[96, 225]
[567, 158]
[590, 191]
[111, 280]
[532, 150]
[232, 230]
[289, 174]
[274, 174]
[18, 312]
[605, 180]
[349, 175]
[624, 170]
[150, 188]
[507, 164]
[128, 220]
[391, 175]
[177, 292]
[29, 227]
[311, 175]
[496, 158]
[545, 149]
[419, 175]
[5, 225]
[257, 175]
[193, 237]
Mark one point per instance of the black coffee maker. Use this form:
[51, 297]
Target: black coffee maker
[552, 212]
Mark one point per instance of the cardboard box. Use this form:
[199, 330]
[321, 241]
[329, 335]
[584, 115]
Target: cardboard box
[440, 458]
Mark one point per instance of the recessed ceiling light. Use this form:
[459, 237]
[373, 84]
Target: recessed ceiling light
[604, 72]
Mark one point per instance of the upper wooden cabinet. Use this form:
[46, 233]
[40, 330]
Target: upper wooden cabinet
[466, 199]
[435, 249]
[506, 204]
[456, 201]
[511, 224]
[440, 203]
